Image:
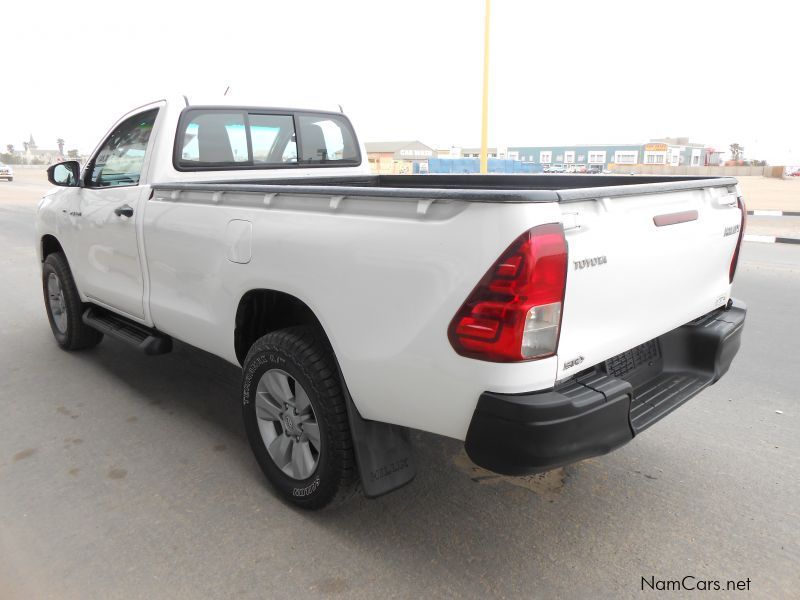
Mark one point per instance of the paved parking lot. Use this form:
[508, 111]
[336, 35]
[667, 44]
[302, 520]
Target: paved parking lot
[124, 476]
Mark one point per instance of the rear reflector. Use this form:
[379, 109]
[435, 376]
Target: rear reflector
[514, 313]
[675, 218]
[735, 259]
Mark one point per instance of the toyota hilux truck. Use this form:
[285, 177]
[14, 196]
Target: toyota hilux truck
[539, 319]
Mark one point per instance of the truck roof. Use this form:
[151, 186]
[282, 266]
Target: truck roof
[252, 100]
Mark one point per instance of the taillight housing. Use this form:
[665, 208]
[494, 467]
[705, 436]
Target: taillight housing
[514, 313]
[735, 259]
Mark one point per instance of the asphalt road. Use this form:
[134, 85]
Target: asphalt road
[123, 476]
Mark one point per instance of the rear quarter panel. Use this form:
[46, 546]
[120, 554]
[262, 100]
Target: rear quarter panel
[383, 279]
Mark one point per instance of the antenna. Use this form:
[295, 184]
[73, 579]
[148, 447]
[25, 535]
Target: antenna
[227, 89]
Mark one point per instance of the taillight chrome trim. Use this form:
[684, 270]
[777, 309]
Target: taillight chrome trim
[735, 259]
[530, 273]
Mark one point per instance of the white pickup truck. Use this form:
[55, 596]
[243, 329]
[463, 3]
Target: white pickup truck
[541, 319]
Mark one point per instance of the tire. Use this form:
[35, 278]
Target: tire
[64, 311]
[303, 356]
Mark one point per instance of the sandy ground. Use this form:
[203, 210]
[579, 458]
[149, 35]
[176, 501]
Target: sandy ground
[768, 193]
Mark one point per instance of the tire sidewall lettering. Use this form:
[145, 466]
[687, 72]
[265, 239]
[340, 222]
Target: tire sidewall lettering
[301, 492]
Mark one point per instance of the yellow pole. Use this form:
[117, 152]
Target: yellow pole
[485, 113]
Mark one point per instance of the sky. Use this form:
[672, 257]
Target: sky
[561, 73]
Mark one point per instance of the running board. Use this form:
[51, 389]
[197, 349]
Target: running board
[148, 340]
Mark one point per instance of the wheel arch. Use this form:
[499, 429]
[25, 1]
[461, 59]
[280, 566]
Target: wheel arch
[49, 244]
[261, 311]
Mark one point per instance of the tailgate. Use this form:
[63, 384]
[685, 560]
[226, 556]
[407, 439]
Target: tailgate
[642, 265]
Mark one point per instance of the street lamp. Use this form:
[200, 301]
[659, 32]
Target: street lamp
[485, 112]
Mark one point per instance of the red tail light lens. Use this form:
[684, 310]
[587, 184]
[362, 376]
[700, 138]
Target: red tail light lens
[735, 259]
[514, 313]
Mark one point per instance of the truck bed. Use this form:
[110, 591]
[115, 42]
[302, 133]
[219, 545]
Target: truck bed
[471, 188]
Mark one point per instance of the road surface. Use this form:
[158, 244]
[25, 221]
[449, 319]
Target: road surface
[126, 476]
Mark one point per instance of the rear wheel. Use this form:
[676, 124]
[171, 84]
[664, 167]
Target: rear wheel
[64, 306]
[296, 418]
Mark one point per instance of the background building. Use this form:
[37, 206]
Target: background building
[598, 155]
[411, 157]
[476, 153]
[388, 158]
[660, 151]
[680, 152]
[33, 155]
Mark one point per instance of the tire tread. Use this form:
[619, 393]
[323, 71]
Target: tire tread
[79, 336]
[312, 355]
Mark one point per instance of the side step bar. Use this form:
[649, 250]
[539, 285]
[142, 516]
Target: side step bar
[148, 340]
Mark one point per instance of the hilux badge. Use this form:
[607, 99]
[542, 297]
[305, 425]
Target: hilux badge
[731, 230]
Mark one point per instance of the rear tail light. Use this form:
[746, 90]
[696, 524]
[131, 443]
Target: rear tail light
[514, 313]
[735, 259]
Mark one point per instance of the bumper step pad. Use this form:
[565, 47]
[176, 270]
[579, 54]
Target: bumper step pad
[660, 396]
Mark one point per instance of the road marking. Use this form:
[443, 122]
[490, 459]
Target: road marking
[774, 213]
[770, 239]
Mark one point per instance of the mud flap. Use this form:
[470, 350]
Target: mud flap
[383, 452]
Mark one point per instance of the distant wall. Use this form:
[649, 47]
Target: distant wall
[699, 171]
[473, 165]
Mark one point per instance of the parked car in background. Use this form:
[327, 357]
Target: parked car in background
[557, 169]
[594, 170]
[6, 172]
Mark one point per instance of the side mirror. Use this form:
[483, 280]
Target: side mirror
[66, 174]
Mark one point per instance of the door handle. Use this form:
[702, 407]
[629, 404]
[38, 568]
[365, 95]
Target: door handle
[124, 211]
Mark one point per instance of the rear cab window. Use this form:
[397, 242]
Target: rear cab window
[246, 138]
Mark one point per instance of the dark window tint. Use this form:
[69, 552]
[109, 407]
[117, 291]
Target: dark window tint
[120, 160]
[215, 138]
[325, 138]
[238, 138]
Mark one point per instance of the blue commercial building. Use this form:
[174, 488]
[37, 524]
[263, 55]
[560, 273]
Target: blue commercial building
[666, 151]
[472, 165]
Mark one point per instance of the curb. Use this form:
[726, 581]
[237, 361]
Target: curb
[770, 239]
[774, 213]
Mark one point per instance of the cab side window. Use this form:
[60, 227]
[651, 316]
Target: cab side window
[119, 162]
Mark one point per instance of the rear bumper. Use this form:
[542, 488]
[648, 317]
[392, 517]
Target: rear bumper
[602, 409]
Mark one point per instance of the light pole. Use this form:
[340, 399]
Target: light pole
[485, 111]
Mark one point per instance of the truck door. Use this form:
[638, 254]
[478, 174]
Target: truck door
[107, 250]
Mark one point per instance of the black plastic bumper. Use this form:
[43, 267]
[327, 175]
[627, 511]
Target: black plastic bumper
[604, 408]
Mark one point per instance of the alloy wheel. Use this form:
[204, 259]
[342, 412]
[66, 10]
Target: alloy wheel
[287, 423]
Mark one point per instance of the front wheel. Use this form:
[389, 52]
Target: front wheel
[296, 418]
[64, 306]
